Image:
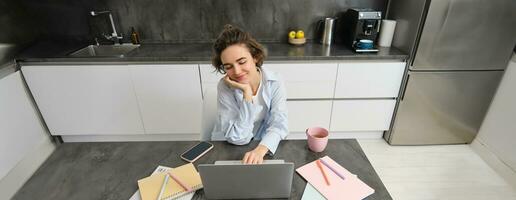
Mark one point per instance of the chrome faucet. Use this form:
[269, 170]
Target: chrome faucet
[114, 36]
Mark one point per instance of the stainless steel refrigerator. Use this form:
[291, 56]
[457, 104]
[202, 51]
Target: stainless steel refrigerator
[458, 51]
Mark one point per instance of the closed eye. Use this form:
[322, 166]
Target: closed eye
[241, 60]
[228, 67]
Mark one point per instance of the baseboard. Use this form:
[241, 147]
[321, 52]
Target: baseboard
[130, 138]
[193, 137]
[494, 161]
[17, 176]
[341, 135]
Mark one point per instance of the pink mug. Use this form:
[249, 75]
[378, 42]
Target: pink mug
[317, 138]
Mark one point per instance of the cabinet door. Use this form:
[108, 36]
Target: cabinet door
[306, 114]
[85, 100]
[20, 127]
[369, 80]
[169, 97]
[307, 81]
[361, 115]
[209, 78]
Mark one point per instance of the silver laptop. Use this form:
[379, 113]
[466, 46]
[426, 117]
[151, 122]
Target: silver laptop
[234, 180]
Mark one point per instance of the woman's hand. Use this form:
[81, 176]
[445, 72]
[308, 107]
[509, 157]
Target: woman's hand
[255, 156]
[246, 88]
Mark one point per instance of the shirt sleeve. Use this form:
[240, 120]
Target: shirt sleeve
[277, 124]
[235, 120]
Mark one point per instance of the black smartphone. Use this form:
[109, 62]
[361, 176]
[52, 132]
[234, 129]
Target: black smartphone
[196, 151]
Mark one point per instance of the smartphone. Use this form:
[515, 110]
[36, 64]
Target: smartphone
[196, 151]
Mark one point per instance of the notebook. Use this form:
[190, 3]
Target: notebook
[160, 168]
[311, 193]
[351, 187]
[150, 187]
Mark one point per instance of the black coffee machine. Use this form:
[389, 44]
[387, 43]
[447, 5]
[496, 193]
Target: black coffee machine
[361, 24]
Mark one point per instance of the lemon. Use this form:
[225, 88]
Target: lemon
[300, 34]
[292, 34]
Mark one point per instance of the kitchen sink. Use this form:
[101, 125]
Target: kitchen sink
[118, 50]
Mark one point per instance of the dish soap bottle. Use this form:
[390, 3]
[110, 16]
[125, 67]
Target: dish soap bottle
[135, 38]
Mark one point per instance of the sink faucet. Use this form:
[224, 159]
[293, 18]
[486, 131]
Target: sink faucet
[114, 36]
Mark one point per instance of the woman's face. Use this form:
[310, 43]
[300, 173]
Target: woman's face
[238, 63]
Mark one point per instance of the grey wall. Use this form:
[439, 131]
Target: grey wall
[16, 29]
[189, 20]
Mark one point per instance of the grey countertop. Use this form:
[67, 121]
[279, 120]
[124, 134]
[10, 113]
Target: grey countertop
[7, 69]
[48, 51]
[110, 170]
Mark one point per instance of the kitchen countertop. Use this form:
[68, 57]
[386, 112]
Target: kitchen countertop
[47, 51]
[110, 170]
[7, 69]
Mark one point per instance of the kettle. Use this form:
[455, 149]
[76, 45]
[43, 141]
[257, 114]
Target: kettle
[325, 30]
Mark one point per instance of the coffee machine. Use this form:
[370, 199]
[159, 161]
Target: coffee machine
[361, 24]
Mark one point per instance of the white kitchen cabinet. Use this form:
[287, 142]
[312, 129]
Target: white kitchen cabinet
[20, 127]
[306, 80]
[85, 99]
[169, 97]
[369, 79]
[305, 114]
[302, 80]
[153, 101]
[362, 115]
[25, 143]
[209, 77]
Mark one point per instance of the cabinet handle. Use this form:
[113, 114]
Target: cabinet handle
[405, 87]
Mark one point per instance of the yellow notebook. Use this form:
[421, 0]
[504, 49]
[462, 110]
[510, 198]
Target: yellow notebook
[151, 186]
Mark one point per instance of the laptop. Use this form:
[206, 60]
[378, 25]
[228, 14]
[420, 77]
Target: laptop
[234, 180]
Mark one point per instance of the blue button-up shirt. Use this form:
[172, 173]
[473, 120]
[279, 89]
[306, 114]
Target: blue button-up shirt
[235, 120]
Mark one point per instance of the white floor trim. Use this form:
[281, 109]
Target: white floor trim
[194, 137]
[342, 135]
[130, 138]
[494, 161]
[17, 176]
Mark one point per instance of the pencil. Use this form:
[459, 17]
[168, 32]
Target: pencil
[181, 183]
[163, 187]
[332, 169]
[322, 171]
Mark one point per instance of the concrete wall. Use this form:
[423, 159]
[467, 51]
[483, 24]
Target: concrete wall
[18, 29]
[189, 20]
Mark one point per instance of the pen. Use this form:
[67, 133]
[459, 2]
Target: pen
[322, 171]
[163, 187]
[332, 169]
[181, 183]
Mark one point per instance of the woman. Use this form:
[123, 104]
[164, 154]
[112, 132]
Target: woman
[251, 100]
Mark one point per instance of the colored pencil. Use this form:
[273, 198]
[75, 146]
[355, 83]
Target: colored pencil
[322, 171]
[332, 169]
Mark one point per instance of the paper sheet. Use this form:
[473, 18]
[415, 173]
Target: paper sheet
[311, 193]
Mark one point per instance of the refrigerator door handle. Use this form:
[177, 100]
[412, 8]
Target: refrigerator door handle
[405, 87]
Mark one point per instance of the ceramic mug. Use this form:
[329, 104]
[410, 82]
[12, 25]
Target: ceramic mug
[365, 44]
[317, 138]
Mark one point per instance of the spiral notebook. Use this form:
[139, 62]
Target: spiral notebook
[151, 186]
[163, 169]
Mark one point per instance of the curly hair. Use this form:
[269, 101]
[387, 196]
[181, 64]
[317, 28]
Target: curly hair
[231, 35]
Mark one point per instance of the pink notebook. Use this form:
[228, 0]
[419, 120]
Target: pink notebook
[349, 188]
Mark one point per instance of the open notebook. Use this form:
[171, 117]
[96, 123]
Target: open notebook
[348, 188]
[151, 186]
